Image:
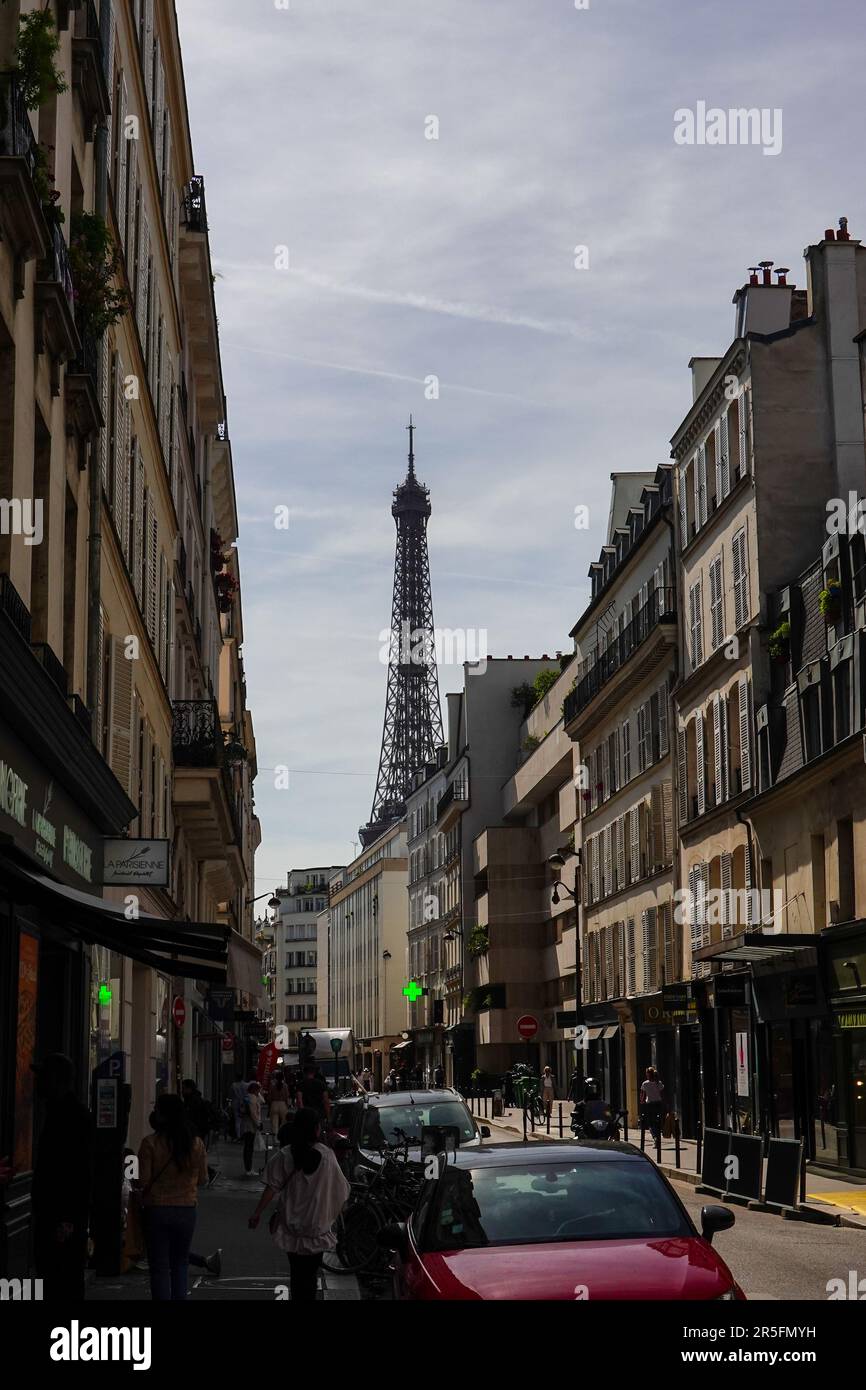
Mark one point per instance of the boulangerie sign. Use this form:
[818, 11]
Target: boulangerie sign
[127, 863]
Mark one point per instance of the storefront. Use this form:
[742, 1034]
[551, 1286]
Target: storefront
[666, 1035]
[841, 1086]
[605, 1054]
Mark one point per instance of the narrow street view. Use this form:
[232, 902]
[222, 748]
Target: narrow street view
[432, 670]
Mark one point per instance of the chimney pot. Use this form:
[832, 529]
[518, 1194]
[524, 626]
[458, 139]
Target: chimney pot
[753, 275]
[766, 267]
[782, 272]
[829, 234]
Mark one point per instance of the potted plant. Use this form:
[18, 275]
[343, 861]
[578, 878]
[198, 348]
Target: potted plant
[94, 260]
[830, 601]
[48, 195]
[530, 743]
[779, 644]
[35, 53]
[479, 942]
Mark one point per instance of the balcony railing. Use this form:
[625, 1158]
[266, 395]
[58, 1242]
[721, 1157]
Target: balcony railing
[194, 212]
[13, 607]
[660, 606]
[197, 739]
[85, 363]
[16, 133]
[52, 665]
[56, 267]
[457, 791]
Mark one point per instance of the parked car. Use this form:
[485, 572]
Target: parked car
[378, 1119]
[556, 1222]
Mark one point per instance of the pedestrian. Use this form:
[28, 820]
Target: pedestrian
[252, 1122]
[391, 1083]
[239, 1096]
[312, 1192]
[438, 1076]
[200, 1118]
[575, 1088]
[62, 1179]
[172, 1166]
[313, 1093]
[548, 1090]
[651, 1102]
[278, 1096]
[508, 1090]
[367, 1079]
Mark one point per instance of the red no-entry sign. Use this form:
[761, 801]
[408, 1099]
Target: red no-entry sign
[228, 1041]
[178, 1011]
[527, 1026]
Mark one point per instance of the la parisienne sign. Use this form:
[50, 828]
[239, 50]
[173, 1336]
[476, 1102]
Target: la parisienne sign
[130, 862]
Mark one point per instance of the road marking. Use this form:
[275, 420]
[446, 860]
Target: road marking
[851, 1201]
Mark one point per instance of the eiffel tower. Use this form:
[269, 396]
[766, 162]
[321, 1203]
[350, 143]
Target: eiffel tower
[413, 717]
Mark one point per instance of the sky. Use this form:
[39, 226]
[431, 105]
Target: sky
[367, 271]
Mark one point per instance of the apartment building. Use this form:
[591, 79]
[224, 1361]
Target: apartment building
[114, 424]
[368, 918]
[774, 432]
[618, 713]
[295, 954]
[433, 912]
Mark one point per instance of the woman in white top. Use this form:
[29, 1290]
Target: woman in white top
[652, 1101]
[312, 1192]
[548, 1089]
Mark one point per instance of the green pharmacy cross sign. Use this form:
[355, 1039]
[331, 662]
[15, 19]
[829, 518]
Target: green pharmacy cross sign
[104, 994]
[413, 991]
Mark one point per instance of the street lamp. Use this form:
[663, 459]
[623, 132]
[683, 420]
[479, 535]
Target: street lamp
[557, 862]
[273, 900]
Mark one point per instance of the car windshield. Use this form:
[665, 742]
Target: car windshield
[557, 1201]
[381, 1122]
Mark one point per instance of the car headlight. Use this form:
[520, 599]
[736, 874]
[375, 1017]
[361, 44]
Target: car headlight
[729, 1297]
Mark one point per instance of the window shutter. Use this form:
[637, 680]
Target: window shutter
[634, 819]
[702, 483]
[160, 617]
[620, 853]
[727, 877]
[682, 778]
[143, 277]
[139, 522]
[147, 51]
[596, 868]
[664, 737]
[99, 712]
[716, 614]
[743, 406]
[135, 774]
[668, 804]
[717, 750]
[167, 182]
[657, 824]
[745, 735]
[630, 968]
[169, 633]
[120, 754]
[105, 406]
[682, 485]
[747, 878]
[119, 445]
[122, 164]
[608, 861]
[158, 110]
[608, 962]
[742, 604]
[625, 744]
[723, 729]
[701, 761]
[641, 738]
[605, 770]
[152, 578]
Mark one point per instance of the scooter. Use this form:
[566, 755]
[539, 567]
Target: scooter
[605, 1129]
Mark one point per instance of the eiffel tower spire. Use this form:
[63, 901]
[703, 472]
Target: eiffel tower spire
[413, 718]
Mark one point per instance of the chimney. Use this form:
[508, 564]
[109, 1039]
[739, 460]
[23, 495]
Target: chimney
[753, 275]
[843, 230]
[829, 234]
[837, 301]
[767, 312]
[782, 272]
[766, 267]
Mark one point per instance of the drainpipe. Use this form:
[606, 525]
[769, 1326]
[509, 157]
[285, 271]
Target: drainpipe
[673, 745]
[94, 544]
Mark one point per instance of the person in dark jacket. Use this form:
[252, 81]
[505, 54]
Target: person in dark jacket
[62, 1180]
[508, 1090]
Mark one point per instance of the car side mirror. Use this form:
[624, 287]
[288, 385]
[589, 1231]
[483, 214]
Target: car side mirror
[485, 1131]
[713, 1219]
[394, 1236]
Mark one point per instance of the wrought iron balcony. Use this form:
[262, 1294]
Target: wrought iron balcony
[82, 395]
[55, 302]
[457, 793]
[13, 607]
[197, 736]
[659, 608]
[23, 221]
[194, 211]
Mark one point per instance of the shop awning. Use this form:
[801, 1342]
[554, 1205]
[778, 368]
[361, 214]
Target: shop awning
[594, 1034]
[245, 965]
[609, 1032]
[398, 1047]
[750, 947]
[192, 950]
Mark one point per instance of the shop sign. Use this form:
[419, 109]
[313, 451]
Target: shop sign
[675, 998]
[106, 1104]
[727, 992]
[127, 863]
[800, 992]
[42, 819]
[742, 1049]
[852, 1018]
[657, 1016]
[221, 1005]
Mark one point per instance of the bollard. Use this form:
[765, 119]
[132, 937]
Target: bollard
[524, 1124]
[698, 1164]
[560, 1119]
[659, 1145]
[642, 1135]
[677, 1142]
[547, 1119]
[625, 1126]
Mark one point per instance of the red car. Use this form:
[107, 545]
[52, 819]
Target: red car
[556, 1221]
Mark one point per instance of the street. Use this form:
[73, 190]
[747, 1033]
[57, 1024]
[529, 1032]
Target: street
[770, 1258]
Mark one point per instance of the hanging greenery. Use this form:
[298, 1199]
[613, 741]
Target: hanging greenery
[94, 261]
[830, 600]
[479, 941]
[779, 643]
[48, 195]
[35, 59]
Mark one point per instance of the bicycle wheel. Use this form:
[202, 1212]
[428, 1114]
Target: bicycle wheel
[360, 1240]
[332, 1260]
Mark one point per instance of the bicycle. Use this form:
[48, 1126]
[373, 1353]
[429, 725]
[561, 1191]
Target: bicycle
[383, 1197]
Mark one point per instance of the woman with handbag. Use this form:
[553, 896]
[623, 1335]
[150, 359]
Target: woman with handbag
[172, 1165]
[312, 1192]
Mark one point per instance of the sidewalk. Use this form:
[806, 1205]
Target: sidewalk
[833, 1200]
[252, 1266]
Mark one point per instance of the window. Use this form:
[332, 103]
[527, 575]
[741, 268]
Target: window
[739, 554]
[625, 745]
[810, 713]
[717, 603]
[696, 625]
[841, 701]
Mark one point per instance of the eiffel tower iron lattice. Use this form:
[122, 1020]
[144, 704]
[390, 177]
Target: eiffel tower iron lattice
[413, 716]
